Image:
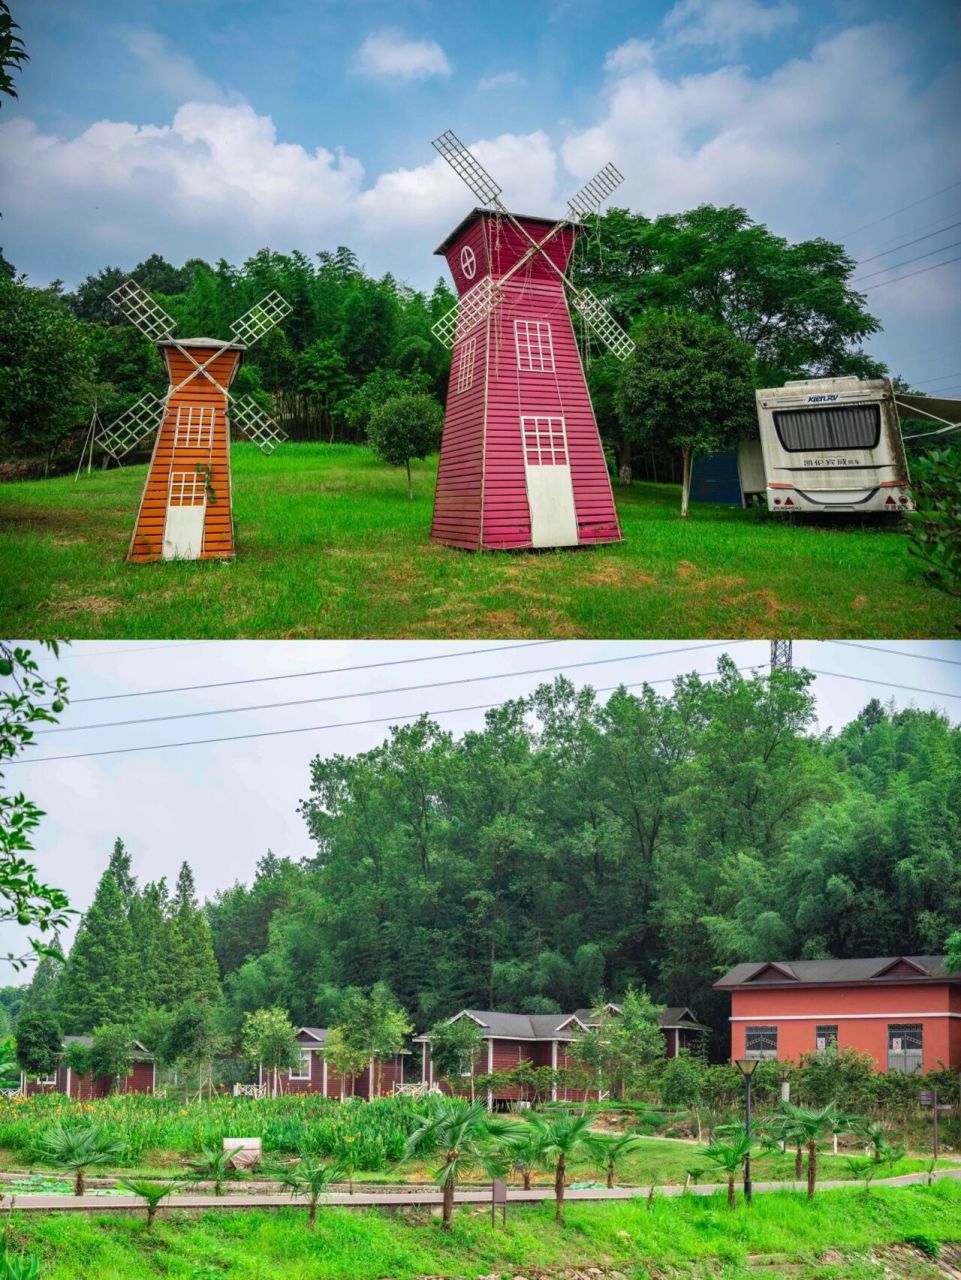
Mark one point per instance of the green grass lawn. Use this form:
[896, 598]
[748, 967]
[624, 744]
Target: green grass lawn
[328, 545]
[843, 1233]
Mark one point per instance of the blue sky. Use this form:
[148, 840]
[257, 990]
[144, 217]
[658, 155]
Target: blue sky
[201, 129]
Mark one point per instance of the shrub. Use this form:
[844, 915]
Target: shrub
[936, 529]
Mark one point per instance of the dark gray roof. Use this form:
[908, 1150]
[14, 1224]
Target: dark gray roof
[787, 973]
[518, 1026]
[139, 1049]
[317, 1034]
[492, 213]
[676, 1016]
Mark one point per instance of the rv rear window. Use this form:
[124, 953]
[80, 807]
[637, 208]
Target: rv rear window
[843, 426]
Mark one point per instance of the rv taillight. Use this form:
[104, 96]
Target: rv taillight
[903, 501]
[777, 502]
[788, 502]
[889, 501]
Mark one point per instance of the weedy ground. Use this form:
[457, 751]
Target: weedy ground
[329, 546]
[903, 1233]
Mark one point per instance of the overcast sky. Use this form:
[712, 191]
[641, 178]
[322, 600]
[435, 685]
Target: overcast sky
[221, 806]
[211, 129]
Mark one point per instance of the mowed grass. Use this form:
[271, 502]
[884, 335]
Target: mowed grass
[328, 545]
[843, 1233]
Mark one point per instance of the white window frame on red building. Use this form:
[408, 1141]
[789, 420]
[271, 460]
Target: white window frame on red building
[465, 365]
[534, 343]
[545, 441]
[305, 1062]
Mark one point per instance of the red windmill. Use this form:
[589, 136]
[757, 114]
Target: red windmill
[521, 461]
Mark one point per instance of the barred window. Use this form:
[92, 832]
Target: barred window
[187, 489]
[465, 367]
[760, 1042]
[195, 426]
[535, 347]
[825, 1037]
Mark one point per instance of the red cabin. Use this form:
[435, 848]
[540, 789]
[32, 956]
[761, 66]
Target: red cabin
[905, 1011]
[314, 1076]
[521, 461]
[142, 1077]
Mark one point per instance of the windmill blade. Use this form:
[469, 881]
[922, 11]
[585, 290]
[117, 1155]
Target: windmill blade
[593, 194]
[247, 415]
[602, 322]
[473, 307]
[467, 167]
[140, 309]
[260, 319]
[133, 426]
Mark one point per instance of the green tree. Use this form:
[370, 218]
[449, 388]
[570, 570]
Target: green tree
[560, 1139]
[619, 1045]
[344, 1058]
[270, 1040]
[682, 1084]
[26, 698]
[39, 1041]
[405, 427]
[455, 1048]
[729, 1154]
[935, 530]
[195, 975]
[12, 52]
[98, 978]
[45, 371]
[806, 1125]
[952, 961]
[151, 1191]
[616, 1147]
[309, 1177]
[688, 385]
[77, 1149]
[194, 1038]
[153, 943]
[464, 1138]
[78, 1057]
[112, 1052]
[43, 993]
[124, 878]
[375, 1024]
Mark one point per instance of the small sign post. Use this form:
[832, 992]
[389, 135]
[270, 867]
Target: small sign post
[929, 1098]
[498, 1201]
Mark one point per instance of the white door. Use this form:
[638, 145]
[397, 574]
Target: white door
[550, 489]
[186, 509]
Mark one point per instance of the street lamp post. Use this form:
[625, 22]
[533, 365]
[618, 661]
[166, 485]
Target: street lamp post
[747, 1067]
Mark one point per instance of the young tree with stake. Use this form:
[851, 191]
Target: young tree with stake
[405, 427]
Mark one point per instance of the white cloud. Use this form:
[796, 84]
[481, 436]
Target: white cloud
[389, 55]
[631, 54]
[726, 24]
[504, 80]
[164, 68]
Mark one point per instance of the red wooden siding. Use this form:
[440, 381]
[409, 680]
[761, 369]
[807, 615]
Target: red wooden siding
[199, 392]
[481, 497]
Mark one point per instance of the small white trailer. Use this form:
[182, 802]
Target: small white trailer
[833, 446]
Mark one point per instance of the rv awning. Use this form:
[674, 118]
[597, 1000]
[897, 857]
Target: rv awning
[947, 412]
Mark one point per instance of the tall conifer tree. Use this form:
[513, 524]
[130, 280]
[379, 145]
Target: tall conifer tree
[98, 979]
[153, 945]
[194, 972]
[126, 881]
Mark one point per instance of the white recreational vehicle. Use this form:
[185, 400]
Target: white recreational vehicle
[833, 446]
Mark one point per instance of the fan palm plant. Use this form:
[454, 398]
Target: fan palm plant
[525, 1154]
[615, 1148]
[151, 1191]
[309, 1177]
[728, 1155]
[465, 1137]
[213, 1166]
[560, 1139]
[77, 1150]
[807, 1125]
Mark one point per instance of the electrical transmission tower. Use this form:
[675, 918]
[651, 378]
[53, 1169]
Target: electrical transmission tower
[781, 658]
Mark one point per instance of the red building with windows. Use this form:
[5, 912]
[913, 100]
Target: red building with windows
[314, 1075]
[142, 1077]
[905, 1011]
[521, 460]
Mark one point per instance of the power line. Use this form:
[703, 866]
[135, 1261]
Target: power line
[899, 653]
[907, 262]
[140, 648]
[907, 243]
[416, 715]
[328, 671]
[370, 693]
[368, 666]
[914, 203]
[882, 283]
[926, 382]
[316, 728]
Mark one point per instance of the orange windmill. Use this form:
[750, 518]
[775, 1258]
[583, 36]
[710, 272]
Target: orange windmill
[186, 509]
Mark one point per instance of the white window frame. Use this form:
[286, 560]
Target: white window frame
[534, 344]
[468, 262]
[305, 1062]
[764, 1027]
[194, 428]
[46, 1080]
[465, 365]
[540, 436]
[184, 494]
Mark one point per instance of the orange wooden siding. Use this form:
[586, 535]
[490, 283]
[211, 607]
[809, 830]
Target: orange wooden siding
[198, 393]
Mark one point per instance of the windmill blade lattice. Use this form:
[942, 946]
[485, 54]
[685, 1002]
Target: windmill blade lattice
[603, 323]
[133, 426]
[470, 310]
[593, 194]
[467, 167]
[247, 415]
[140, 309]
[260, 319]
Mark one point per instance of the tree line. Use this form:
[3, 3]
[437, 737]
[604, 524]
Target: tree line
[570, 849]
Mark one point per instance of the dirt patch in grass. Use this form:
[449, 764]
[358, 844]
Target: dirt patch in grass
[616, 574]
[96, 606]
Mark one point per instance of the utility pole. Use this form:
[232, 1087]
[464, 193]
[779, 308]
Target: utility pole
[781, 657]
